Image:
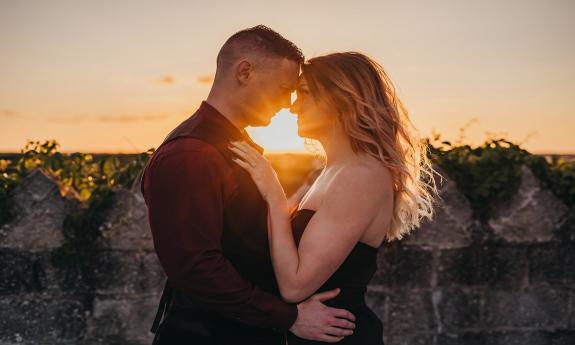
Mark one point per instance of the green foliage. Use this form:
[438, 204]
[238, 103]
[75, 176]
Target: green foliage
[489, 175]
[558, 176]
[93, 182]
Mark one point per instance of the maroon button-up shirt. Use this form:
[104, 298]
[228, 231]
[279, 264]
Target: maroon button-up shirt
[187, 186]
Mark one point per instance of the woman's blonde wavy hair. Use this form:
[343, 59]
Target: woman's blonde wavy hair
[364, 99]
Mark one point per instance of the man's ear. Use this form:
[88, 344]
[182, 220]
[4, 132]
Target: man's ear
[244, 71]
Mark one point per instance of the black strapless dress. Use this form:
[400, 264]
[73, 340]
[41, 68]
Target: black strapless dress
[352, 278]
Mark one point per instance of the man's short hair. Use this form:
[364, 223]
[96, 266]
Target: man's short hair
[260, 39]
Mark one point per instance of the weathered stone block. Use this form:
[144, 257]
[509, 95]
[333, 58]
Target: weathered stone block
[410, 312]
[572, 309]
[19, 272]
[41, 319]
[401, 265]
[518, 338]
[538, 308]
[467, 338]
[531, 215]
[127, 272]
[153, 277]
[566, 231]
[563, 337]
[451, 226]
[410, 339]
[123, 320]
[40, 211]
[458, 309]
[486, 264]
[552, 263]
[127, 224]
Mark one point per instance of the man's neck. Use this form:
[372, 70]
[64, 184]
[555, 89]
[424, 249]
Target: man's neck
[227, 109]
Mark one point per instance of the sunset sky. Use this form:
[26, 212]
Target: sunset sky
[117, 76]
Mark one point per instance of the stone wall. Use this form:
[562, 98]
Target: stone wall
[453, 281]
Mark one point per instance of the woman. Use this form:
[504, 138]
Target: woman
[377, 185]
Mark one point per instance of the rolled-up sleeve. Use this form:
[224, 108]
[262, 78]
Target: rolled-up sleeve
[186, 191]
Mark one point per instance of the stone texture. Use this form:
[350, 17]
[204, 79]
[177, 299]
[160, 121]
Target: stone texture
[541, 307]
[19, 272]
[566, 232]
[410, 312]
[454, 281]
[563, 338]
[458, 309]
[410, 339]
[127, 225]
[41, 319]
[572, 308]
[552, 263]
[123, 320]
[467, 338]
[401, 265]
[487, 264]
[132, 272]
[451, 226]
[518, 338]
[40, 212]
[531, 215]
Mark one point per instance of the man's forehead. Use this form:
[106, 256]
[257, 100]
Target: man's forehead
[291, 73]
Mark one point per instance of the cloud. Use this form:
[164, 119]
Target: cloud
[131, 118]
[9, 113]
[109, 118]
[205, 79]
[165, 80]
[67, 119]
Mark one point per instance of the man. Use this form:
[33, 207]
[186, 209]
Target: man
[208, 220]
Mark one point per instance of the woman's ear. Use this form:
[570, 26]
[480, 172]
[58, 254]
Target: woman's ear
[244, 71]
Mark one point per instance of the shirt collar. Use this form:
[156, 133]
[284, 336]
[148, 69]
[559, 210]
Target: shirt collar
[212, 114]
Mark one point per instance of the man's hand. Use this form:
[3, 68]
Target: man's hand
[316, 321]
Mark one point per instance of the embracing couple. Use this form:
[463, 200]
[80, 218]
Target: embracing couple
[244, 266]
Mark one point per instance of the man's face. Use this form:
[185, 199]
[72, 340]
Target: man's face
[270, 90]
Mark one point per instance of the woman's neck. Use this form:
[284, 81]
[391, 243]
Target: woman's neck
[337, 149]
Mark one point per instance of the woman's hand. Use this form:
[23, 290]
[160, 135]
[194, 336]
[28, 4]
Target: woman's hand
[260, 170]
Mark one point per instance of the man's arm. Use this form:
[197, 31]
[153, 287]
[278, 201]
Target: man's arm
[185, 194]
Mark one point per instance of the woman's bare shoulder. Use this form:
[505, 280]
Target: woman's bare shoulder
[366, 181]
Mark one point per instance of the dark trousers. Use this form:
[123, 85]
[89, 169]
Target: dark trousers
[172, 336]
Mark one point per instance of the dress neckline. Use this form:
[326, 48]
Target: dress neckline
[358, 243]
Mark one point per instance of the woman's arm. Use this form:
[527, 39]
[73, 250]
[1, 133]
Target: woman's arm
[352, 201]
[350, 205]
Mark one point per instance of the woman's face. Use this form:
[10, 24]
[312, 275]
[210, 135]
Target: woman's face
[314, 120]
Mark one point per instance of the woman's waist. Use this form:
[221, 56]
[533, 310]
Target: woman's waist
[348, 295]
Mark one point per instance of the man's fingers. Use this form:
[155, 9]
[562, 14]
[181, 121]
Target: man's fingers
[342, 323]
[330, 338]
[324, 296]
[338, 332]
[343, 314]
